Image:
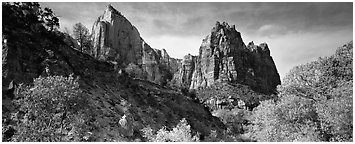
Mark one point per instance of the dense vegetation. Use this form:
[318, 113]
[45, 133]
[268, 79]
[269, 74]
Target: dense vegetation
[28, 16]
[50, 110]
[314, 103]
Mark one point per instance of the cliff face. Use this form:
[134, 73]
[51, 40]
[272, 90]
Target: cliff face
[186, 68]
[115, 39]
[223, 57]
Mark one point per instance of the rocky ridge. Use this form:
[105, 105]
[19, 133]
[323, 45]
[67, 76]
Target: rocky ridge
[116, 40]
[223, 57]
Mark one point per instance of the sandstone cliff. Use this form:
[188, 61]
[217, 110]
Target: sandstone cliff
[223, 57]
[116, 40]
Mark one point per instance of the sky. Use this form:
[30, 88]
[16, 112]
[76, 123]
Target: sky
[296, 33]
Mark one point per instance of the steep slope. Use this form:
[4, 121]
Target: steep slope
[115, 39]
[223, 57]
[110, 92]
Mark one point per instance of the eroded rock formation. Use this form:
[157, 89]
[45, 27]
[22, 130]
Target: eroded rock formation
[116, 40]
[223, 57]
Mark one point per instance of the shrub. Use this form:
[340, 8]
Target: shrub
[180, 133]
[336, 115]
[235, 119]
[290, 119]
[135, 71]
[51, 107]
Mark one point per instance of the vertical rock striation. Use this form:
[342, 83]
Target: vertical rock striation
[223, 57]
[116, 40]
[186, 68]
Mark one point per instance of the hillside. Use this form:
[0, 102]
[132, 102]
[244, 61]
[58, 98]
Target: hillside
[110, 94]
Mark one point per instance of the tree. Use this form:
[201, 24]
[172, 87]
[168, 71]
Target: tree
[291, 119]
[49, 19]
[336, 115]
[135, 71]
[28, 16]
[81, 34]
[328, 81]
[234, 119]
[51, 108]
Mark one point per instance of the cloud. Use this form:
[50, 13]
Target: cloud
[162, 25]
[271, 30]
[296, 16]
[149, 8]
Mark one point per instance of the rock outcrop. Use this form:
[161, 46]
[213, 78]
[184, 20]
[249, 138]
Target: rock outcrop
[116, 40]
[223, 57]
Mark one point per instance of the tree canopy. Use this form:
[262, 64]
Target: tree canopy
[314, 103]
[49, 109]
[28, 16]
